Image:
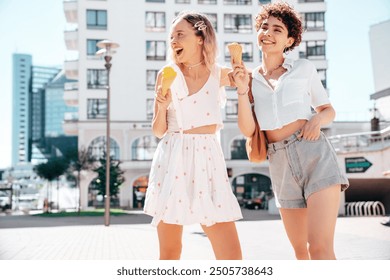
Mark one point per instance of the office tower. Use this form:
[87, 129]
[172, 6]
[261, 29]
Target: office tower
[29, 83]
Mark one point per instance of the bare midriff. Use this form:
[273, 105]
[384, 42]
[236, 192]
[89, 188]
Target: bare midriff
[206, 129]
[284, 132]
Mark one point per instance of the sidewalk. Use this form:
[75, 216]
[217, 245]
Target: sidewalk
[131, 237]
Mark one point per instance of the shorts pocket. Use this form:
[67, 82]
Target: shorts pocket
[312, 141]
[294, 91]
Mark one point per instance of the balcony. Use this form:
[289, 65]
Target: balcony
[71, 94]
[312, 6]
[71, 40]
[70, 124]
[72, 69]
[70, 9]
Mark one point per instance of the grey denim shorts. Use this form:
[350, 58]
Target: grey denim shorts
[300, 167]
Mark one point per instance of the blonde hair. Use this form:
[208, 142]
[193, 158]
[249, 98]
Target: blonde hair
[205, 31]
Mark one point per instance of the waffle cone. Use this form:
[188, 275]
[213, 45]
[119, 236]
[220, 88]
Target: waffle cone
[235, 50]
[168, 76]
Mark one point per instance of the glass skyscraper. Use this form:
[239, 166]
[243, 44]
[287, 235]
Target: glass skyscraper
[21, 145]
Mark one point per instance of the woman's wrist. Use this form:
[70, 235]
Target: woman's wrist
[241, 92]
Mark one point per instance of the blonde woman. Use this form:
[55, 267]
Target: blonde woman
[188, 181]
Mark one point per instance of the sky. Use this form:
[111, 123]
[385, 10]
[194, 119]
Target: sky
[37, 28]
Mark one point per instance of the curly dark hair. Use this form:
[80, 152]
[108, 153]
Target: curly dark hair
[285, 13]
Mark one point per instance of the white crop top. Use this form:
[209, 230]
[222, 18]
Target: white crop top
[296, 92]
[198, 109]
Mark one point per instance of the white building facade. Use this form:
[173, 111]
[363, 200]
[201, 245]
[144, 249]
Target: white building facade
[380, 58]
[141, 27]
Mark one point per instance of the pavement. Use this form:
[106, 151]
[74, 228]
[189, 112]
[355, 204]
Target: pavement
[131, 237]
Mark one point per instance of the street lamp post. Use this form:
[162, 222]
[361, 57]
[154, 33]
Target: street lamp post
[106, 49]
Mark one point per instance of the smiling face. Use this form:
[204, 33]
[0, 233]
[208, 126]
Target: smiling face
[272, 36]
[186, 46]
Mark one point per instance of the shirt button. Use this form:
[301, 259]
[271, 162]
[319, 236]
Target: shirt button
[285, 141]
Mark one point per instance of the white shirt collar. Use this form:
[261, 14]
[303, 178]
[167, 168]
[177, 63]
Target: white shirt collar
[288, 64]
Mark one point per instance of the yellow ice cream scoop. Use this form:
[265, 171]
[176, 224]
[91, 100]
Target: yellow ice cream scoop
[168, 75]
[235, 50]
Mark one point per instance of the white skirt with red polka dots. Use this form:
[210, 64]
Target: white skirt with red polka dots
[188, 182]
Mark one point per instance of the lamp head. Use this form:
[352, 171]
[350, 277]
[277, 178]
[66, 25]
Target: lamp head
[106, 47]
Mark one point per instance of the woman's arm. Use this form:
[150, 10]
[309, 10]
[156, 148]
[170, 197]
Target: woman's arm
[246, 123]
[161, 103]
[319, 101]
[225, 78]
[325, 115]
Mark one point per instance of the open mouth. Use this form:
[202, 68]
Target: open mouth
[178, 51]
[267, 42]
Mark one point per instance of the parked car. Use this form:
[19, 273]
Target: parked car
[4, 201]
[258, 202]
[254, 203]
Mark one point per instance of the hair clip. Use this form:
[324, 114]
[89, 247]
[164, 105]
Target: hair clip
[200, 25]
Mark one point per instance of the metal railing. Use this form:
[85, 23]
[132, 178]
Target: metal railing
[365, 208]
[363, 141]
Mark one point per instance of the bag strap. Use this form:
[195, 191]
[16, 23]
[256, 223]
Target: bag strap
[250, 95]
[252, 101]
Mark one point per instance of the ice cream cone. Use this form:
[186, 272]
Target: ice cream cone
[168, 75]
[235, 50]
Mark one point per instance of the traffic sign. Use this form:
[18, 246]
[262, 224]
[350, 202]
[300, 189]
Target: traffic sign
[357, 165]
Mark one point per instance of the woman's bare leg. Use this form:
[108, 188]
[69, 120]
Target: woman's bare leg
[295, 224]
[323, 209]
[169, 237]
[224, 240]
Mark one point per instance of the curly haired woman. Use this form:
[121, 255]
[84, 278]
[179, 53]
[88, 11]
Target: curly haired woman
[305, 175]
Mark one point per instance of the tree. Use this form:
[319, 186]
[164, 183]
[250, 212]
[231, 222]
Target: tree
[116, 177]
[79, 160]
[52, 169]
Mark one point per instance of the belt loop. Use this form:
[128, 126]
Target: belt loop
[273, 146]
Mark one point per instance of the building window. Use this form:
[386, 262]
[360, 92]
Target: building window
[234, 23]
[96, 19]
[155, 21]
[322, 74]
[264, 2]
[308, 1]
[237, 2]
[155, 50]
[149, 108]
[183, 1]
[207, 2]
[96, 79]
[144, 147]
[247, 51]
[231, 108]
[151, 77]
[96, 108]
[91, 46]
[214, 20]
[98, 146]
[312, 49]
[237, 149]
[314, 21]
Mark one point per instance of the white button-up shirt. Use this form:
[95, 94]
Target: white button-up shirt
[296, 92]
